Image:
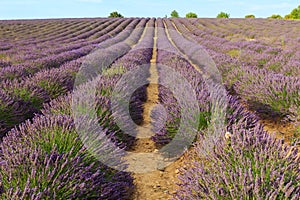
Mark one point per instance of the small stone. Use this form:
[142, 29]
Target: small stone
[161, 167]
[228, 135]
[177, 171]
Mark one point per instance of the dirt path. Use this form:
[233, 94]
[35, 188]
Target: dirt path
[154, 184]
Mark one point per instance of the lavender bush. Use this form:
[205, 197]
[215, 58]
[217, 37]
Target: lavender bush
[12, 112]
[47, 160]
[26, 91]
[250, 164]
[280, 92]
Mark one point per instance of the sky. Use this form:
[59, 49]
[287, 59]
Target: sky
[39, 9]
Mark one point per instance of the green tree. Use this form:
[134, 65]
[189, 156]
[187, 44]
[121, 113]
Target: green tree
[115, 14]
[249, 16]
[275, 16]
[191, 15]
[295, 14]
[288, 16]
[174, 13]
[223, 15]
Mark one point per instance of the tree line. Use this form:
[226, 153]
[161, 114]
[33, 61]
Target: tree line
[295, 14]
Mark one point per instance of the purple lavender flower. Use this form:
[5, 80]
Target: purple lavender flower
[46, 159]
[250, 164]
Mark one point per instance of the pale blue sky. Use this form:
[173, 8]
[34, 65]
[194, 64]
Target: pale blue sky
[29, 9]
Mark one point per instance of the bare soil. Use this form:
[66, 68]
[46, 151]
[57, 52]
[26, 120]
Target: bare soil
[159, 183]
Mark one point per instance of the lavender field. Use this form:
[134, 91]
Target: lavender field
[257, 64]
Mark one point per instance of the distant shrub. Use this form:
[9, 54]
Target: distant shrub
[174, 13]
[115, 14]
[288, 16]
[249, 16]
[275, 16]
[223, 15]
[191, 15]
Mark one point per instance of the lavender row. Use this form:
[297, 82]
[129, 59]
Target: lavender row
[49, 84]
[77, 32]
[168, 56]
[274, 59]
[26, 69]
[36, 53]
[54, 163]
[67, 29]
[250, 163]
[280, 93]
[257, 29]
[91, 180]
[29, 49]
[53, 61]
[32, 48]
[212, 177]
[139, 55]
[21, 100]
[28, 34]
[251, 32]
[280, 97]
